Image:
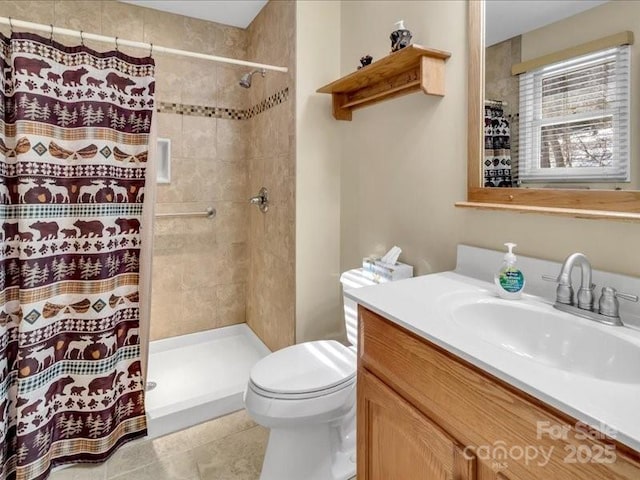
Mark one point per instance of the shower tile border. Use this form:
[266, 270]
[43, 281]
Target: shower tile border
[268, 103]
[224, 112]
[201, 111]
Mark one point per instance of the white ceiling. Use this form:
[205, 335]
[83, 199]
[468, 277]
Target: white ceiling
[506, 19]
[237, 13]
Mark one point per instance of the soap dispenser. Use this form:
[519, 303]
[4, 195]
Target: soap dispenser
[509, 279]
[400, 37]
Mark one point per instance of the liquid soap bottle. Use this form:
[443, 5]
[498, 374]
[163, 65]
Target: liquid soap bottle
[509, 279]
[400, 37]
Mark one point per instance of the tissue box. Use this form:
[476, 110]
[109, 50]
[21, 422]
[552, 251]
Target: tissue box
[376, 270]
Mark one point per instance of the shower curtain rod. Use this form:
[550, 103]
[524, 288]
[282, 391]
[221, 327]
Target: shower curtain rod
[129, 43]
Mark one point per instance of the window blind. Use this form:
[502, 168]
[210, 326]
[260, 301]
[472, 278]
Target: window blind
[574, 119]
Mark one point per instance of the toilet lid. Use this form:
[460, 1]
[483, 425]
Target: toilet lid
[306, 367]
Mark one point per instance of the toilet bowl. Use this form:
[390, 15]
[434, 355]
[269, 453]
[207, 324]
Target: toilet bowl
[306, 395]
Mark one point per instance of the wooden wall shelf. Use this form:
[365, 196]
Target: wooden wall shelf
[406, 71]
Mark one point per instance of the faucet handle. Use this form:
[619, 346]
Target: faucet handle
[564, 292]
[627, 296]
[609, 305]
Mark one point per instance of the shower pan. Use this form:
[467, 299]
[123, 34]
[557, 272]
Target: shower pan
[202, 350]
[199, 376]
[205, 302]
[195, 377]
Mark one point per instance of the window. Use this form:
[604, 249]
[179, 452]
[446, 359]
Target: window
[574, 119]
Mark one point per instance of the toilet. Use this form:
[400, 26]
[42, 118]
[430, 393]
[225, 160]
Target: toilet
[306, 395]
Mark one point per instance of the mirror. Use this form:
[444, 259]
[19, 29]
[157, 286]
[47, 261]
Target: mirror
[560, 122]
[583, 200]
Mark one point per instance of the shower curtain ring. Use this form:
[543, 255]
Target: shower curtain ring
[51, 34]
[151, 49]
[81, 38]
[117, 50]
[11, 24]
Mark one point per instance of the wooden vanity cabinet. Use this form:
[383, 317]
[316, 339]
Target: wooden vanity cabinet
[426, 414]
[403, 443]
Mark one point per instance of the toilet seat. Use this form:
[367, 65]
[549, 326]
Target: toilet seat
[306, 395]
[306, 370]
[303, 395]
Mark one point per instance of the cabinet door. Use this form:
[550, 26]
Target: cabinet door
[395, 441]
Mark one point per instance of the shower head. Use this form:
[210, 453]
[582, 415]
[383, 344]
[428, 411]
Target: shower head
[245, 80]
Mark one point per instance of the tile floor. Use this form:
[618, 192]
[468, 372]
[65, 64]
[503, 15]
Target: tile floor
[227, 448]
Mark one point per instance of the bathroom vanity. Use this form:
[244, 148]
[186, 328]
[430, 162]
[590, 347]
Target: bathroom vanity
[440, 399]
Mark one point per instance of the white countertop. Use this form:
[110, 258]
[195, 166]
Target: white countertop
[416, 304]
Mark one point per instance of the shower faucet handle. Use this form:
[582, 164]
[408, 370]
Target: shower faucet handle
[261, 200]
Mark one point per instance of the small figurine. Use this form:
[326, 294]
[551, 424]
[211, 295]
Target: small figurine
[400, 37]
[366, 60]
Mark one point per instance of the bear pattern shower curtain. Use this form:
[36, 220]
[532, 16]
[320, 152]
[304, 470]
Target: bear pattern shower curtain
[74, 143]
[497, 148]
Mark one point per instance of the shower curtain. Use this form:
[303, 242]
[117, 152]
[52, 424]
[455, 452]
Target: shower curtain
[73, 144]
[497, 148]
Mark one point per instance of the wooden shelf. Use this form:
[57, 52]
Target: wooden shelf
[406, 71]
[566, 212]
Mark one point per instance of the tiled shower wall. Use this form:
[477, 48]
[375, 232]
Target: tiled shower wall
[201, 267]
[271, 154]
[499, 83]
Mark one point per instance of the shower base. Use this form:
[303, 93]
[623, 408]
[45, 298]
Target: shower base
[199, 376]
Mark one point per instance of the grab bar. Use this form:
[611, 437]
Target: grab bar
[209, 213]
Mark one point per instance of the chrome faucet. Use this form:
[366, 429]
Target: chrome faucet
[564, 292]
[608, 311]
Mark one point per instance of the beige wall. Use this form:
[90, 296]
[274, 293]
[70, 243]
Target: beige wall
[271, 161]
[404, 163]
[601, 21]
[318, 293]
[404, 160]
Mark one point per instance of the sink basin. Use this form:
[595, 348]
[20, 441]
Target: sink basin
[540, 333]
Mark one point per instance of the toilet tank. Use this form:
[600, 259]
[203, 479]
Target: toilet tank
[350, 280]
